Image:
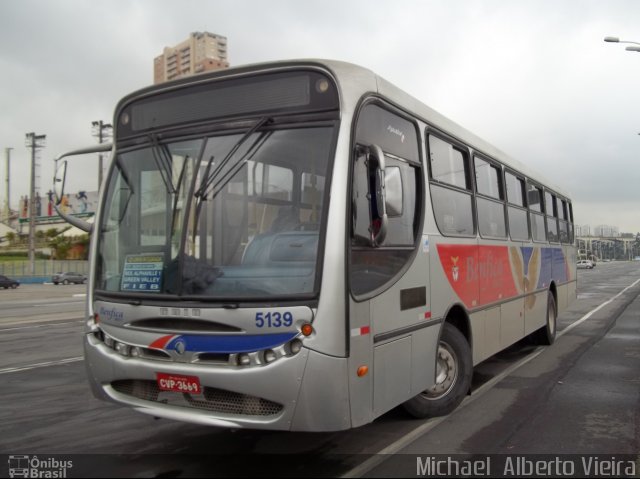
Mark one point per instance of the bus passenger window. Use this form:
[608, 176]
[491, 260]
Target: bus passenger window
[534, 198]
[538, 231]
[451, 188]
[552, 217]
[487, 179]
[563, 223]
[453, 211]
[517, 213]
[515, 190]
[448, 164]
[491, 219]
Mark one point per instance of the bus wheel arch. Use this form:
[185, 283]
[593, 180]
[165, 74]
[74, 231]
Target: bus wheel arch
[454, 370]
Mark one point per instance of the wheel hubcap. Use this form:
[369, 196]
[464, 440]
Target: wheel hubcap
[446, 373]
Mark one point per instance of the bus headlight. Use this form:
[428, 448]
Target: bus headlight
[123, 349]
[295, 346]
[108, 341]
[270, 356]
[243, 359]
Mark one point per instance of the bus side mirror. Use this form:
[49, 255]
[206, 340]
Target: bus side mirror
[58, 182]
[379, 218]
[393, 191]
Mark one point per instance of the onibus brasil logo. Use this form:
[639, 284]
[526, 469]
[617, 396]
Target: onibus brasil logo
[32, 466]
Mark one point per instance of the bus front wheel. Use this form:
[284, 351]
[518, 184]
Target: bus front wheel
[453, 377]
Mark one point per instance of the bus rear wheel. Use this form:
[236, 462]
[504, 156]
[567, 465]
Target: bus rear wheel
[546, 335]
[453, 377]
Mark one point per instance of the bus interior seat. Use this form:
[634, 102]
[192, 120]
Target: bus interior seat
[271, 249]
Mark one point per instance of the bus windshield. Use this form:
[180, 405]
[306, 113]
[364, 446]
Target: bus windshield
[223, 216]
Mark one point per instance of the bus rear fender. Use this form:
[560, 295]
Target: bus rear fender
[458, 317]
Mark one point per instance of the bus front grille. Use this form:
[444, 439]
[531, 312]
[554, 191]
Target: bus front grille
[212, 399]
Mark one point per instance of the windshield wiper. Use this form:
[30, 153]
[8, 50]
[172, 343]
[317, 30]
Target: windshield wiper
[163, 160]
[176, 192]
[210, 177]
[231, 172]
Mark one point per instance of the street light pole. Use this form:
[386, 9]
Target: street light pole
[617, 40]
[7, 153]
[34, 142]
[101, 131]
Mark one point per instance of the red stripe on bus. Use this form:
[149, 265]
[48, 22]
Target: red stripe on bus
[160, 343]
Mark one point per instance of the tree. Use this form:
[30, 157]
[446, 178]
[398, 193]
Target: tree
[11, 238]
[60, 246]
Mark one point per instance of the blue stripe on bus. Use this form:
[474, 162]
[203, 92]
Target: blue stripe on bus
[230, 344]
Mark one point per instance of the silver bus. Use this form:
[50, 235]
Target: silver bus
[303, 246]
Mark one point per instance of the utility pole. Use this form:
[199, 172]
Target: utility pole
[7, 154]
[35, 142]
[101, 131]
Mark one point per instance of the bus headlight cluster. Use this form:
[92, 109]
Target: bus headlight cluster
[268, 356]
[122, 349]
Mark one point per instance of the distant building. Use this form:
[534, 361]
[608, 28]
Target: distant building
[201, 52]
[583, 230]
[606, 231]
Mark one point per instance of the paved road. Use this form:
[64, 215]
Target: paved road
[37, 303]
[579, 396]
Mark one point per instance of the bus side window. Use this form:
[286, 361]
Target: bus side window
[563, 222]
[552, 217]
[490, 199]
[536, 216]
[516, 207]
[451, 188]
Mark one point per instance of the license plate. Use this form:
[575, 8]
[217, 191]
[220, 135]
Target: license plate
[179, 383]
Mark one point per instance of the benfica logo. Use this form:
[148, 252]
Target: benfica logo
[455, 270]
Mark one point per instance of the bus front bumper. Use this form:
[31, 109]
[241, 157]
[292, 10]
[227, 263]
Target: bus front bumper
[276, 396]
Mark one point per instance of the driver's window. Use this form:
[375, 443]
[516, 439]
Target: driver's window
[374, 265]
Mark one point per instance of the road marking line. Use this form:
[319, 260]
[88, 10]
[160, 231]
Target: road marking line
[595, 310]
[394, 448]
[2, 330]
[40, 365]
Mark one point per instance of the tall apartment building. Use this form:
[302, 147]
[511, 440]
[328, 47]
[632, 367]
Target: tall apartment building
[201, 52]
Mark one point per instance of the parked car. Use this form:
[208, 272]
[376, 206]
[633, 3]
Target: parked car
[68, 277]
[7, 283]
[585, 264]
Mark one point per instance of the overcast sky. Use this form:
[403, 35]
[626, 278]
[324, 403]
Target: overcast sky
[534, 78]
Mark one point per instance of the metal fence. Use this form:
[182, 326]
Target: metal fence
[44, 269]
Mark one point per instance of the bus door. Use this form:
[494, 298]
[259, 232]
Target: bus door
[389, 261]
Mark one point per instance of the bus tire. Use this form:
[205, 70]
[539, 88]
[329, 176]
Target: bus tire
[546, 335]
[453, 377]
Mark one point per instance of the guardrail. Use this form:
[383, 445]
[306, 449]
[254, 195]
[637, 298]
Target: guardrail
[44, 269]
